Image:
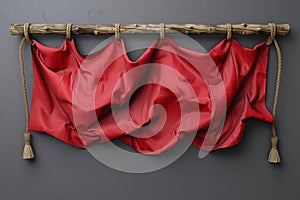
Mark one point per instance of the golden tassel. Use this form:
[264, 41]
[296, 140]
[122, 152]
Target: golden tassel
[28, 151]
[274, 154]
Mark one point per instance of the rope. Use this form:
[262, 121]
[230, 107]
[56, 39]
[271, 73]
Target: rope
[24, 82]
[229, 32]
[117, 31]
[69, 32]
[272, 34]
[277, 87]
[28, 151]
[26, 33]
[274, 156]
[162, 31]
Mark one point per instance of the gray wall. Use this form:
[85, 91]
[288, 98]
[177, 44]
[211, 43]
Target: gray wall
[64, 172]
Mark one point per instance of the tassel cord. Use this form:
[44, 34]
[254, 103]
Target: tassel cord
[28, 151]
[274, 156]
[277, 87]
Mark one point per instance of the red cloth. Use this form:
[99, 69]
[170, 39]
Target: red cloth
[65, 81]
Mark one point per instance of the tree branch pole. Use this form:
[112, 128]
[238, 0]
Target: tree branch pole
[102, 29]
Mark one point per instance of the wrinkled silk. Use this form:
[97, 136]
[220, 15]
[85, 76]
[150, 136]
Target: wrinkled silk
[56, 71]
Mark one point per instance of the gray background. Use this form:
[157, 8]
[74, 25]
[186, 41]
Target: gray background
[64, 172]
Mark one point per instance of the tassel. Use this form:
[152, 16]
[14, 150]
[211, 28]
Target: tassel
[274, 154]
[28, 151]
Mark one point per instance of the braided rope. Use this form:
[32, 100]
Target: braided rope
[69, 32]
[272, 34]
[277, 87]
[274, 156]
[229, 32]
[28, 151]
[26, 33]
[162, 31]
[24, 83]
[117, 31]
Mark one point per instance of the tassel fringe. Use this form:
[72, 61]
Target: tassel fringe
[274, 154]
[28, 151]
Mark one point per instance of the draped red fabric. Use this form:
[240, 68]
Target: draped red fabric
[83, 100]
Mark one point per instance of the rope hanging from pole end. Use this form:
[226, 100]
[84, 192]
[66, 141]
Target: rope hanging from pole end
[28, 151]
[274, 156]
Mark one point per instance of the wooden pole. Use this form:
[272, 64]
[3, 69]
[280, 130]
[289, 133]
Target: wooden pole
[241, 29]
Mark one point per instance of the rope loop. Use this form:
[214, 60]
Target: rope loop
[69, 31]
[27, 33]
[162, 32]
[229, 32]
[272, 34]
[117, 31]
